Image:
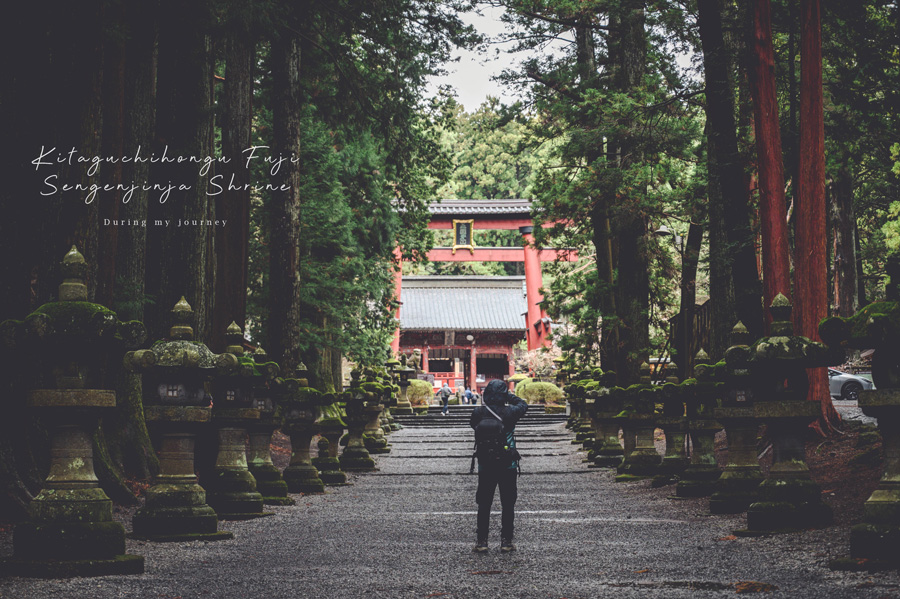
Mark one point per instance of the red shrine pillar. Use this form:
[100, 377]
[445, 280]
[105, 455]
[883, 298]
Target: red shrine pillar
[512, 367]
[425, 359]
[472, 365]
[398, 283]
[537, 331]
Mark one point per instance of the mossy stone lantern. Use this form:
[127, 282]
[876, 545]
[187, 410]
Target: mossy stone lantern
[675, 426]
[738, 484]
[405, 374]
[376, 393]
[876, 540]
[704, 393]
[269, 481]
[788, 499]
[68, 343]
[331, 428]
[607, 403]
[177, 407]
[638, 418]
[359, 408]
[301, 404]
[231, 488]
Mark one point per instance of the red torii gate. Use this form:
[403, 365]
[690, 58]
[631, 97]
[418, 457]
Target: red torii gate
[463, 217]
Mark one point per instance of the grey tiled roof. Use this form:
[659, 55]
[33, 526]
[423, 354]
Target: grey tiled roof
[469, 207]
[436, 303]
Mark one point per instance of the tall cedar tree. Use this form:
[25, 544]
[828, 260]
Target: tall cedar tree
[810, 264]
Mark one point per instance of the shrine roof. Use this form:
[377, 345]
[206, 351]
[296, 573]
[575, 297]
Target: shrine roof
[475, 207]
[472, 303]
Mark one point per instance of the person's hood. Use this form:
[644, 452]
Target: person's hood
[497, 393]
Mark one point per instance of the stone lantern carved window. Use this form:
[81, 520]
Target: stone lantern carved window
[171, 390]
[229, 395]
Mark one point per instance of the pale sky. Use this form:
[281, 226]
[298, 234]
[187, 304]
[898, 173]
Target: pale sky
[471, 75]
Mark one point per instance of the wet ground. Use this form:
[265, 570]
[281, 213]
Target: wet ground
[408, 530]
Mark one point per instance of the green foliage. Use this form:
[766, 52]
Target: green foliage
[539, 392]
[419, 393]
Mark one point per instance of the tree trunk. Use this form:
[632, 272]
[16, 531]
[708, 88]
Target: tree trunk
[233, 240]
[721, 284]
[846, 289]
[690, 258]
[284, 240]
[177, 255]
[628, 51]
[810, 266]
[772, 211]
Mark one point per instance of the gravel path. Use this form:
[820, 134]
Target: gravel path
[408, 530]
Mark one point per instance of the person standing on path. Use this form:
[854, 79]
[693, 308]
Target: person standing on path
[499, 404]
[445, 397]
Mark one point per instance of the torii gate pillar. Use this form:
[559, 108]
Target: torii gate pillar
[538, 325]
[398, 284]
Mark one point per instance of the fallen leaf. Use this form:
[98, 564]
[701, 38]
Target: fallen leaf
[752, 586]
[642, 571]
[728, 538]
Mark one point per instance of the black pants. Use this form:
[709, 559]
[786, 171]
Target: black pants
[488, 481]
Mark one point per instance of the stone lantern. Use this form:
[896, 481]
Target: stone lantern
[373, 434]
[875, 542]
[405, 374]
[231, 487]
[638, 418]
[176, 408]
[608, 402]
[788, 499]
[301, 405]
[70, 530]
[389, 401]
[674, 425]
[702, 399]
[360, 405]
[331, 428]
[269, 481]
[738, 484]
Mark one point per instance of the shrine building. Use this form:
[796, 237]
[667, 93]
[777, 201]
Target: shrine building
[467, 326]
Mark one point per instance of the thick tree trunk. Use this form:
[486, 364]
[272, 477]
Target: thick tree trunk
[810, 266]
[284, 226]
[627, 52]
[727, 173]
[112, 145]
[846, 288]
[177, 255]
[772, 210]
[233, 240]
[721, 284]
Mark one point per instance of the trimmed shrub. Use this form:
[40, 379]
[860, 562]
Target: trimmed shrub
[419, 392]
[535, 392]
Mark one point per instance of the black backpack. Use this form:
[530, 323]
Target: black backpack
[491, 445]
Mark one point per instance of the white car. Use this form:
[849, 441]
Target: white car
[846, 386]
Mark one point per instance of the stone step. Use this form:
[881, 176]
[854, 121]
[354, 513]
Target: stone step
[462, 420]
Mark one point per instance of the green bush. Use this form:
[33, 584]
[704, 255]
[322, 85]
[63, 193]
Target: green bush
[535, 392]
[419, 392]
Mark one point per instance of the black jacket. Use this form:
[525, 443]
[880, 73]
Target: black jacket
[506, 404]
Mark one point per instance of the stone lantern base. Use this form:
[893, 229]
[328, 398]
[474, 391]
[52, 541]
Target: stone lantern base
[699, 478]
[738, 486]
[70, 530]
[328, 464]
[643, 461]
[789, 499]
[269, 481]
[356, 459]
[231, 488]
